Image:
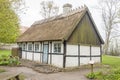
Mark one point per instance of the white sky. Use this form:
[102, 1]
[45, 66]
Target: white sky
[32, 13]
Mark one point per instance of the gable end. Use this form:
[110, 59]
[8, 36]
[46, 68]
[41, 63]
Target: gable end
[85, 32]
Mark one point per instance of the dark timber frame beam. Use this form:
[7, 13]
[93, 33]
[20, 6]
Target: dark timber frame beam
[64, 56]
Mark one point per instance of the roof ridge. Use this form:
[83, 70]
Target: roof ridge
[63, 15]
[76, 10]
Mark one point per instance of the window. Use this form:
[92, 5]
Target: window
[23, 47]
[57, 47]
[30, 47]
[37, 47]
[20, 45]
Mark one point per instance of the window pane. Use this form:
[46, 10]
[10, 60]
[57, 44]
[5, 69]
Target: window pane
[36, 47]
[30, 47]
[57, 47]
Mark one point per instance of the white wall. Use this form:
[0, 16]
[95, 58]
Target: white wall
[84, 60]
[71, 61]
[29, 55]
[57, 60]
[37, 57]
[72, 50]
[84, 51]
[95, 50]
[23, 55]
[96, 59]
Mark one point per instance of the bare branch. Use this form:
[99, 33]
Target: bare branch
[110, 19]
[48, 9]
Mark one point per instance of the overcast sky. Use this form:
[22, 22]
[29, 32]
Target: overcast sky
[32, 13]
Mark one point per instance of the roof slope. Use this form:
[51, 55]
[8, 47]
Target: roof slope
[55, 28]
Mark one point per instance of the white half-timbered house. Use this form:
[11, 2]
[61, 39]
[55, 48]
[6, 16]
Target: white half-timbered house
[67, 40]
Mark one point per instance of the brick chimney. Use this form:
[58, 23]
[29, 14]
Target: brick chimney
[67, 7]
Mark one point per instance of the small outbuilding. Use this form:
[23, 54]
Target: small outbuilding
[67, 40]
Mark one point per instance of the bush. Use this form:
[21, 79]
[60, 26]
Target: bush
[114, 75]
[110, 75]
[95, 75]
[13, 61]
[91, 76]
[9, 60]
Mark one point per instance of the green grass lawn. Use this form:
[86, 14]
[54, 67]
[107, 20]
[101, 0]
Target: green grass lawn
[113, 61]
[5, 52]
[111, 72]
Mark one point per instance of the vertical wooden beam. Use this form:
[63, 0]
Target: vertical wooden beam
[20, 50]
[90, 53]
[101, 53]
[26, 51]
[33, 51]
[78, 54]
[64, 55]
[50, 52]
[41, 51]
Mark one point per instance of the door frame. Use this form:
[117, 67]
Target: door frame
[47, 53]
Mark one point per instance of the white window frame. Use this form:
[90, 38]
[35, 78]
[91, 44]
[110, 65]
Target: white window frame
[30, 45]
[38, 49]
[58, 46]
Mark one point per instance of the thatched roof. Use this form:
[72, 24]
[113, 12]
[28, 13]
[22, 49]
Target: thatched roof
[54, 28]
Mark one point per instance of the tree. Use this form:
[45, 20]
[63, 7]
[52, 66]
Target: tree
[110, 10]
[48, 9]
[9, 22]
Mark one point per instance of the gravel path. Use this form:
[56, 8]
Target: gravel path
[33, 75]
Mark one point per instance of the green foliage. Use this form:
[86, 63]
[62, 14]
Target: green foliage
[91, 76]
[9, 60]
[112, 74]
[9, 22]
[13, 61]
[94, 75]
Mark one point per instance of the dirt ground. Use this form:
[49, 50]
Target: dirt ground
[36, 71]
[30, 74]
[39, 67]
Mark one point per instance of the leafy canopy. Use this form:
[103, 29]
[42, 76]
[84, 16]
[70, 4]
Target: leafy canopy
[9, 22]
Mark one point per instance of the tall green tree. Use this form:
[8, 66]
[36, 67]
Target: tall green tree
[9, 22]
